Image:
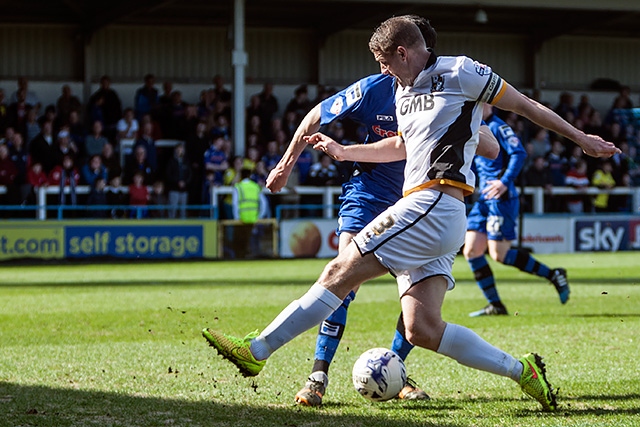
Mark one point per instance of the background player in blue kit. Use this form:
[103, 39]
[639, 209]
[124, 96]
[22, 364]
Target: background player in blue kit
[372, 188]
[492, 221]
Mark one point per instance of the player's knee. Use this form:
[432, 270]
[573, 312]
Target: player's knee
[423, 335]
[496, 257]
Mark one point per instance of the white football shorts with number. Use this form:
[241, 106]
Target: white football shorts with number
[417, 238]
[438, 118]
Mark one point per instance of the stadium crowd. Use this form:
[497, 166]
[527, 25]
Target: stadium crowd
[72, 144]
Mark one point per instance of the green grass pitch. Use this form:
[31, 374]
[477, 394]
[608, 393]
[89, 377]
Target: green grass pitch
[120, 345]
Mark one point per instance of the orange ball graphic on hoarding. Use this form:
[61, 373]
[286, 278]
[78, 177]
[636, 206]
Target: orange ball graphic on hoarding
[305, 240]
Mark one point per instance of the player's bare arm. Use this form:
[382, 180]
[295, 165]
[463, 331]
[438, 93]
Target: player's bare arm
[386, 150]
[279, 175]
[592, 145]
[488, 145]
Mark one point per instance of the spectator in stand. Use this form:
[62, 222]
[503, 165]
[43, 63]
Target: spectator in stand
[216, 160]
[31, 97]
[576, 155]
[176, 119]
[148, 142]
[64, 147]
[196, 145]
[93, 170]
[223, 97]
[538, 175]
[97, 199]
[299, 104]
[303, 165]
[110, 107]
[259, 174]
[8, 174]
[254, 129]
[557, 165]
[323, 173]
[51, 116]
[272, 156]
[623, 100]
[138, 196]
[158, 200]
[4, 107]
[41, 149]
[220, 126]
[251, 158]
[540, 143]
[268, 108]
[146, 98]
[128, 125]
[95, 111]
[178, 177]
[206, 105]
[65, 175]
[231, 177]
[578, 179]
[77, 131]
[67, 102]
[289, 123]
[20, 158]
[253, 109]
[630, 158]
[603, 179]
[139, 164]
[36, 178]
[566, 108]
[17, 112]
[165, 98]
[111, 161]
[96, 140]
[117, 197]
[31, 126]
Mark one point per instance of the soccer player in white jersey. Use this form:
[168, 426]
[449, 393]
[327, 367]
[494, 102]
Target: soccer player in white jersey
[439, 110]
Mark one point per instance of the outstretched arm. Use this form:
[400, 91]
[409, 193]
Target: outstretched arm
[279, 175]
[488, 145]
[386, 150]
[592, 145]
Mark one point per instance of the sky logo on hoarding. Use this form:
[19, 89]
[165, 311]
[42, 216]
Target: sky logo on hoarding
[608, 236]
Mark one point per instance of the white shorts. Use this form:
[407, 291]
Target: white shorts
[417, 238]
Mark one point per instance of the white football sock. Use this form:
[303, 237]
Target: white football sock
[302, 314]
[467, 348]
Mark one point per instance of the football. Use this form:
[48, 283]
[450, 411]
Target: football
[379, 374]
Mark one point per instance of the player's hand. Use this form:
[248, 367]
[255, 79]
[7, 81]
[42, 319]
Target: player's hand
[277, 179]
[595, 146]
[322, 142]
[494, 189]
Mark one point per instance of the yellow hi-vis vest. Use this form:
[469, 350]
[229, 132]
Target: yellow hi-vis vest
[248, 200]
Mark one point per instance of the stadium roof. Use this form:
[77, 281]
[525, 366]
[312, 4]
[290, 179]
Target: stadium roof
[537, 18]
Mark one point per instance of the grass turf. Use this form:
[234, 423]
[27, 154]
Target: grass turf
[120, 345]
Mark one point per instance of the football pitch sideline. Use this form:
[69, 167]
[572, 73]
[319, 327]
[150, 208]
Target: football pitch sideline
[120, 345]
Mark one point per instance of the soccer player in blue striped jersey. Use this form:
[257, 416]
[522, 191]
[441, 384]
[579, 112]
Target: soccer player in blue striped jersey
[492, 221]
[372, 188]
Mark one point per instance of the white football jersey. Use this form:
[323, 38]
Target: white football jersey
[439, 117]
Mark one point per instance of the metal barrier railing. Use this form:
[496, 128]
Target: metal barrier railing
[328, 194]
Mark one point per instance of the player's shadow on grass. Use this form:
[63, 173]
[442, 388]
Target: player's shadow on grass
[611, 315]
[590, 406]
[46, 406]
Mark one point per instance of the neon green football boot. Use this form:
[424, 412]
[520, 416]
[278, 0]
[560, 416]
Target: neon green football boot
[236, 350]
[534, 382]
